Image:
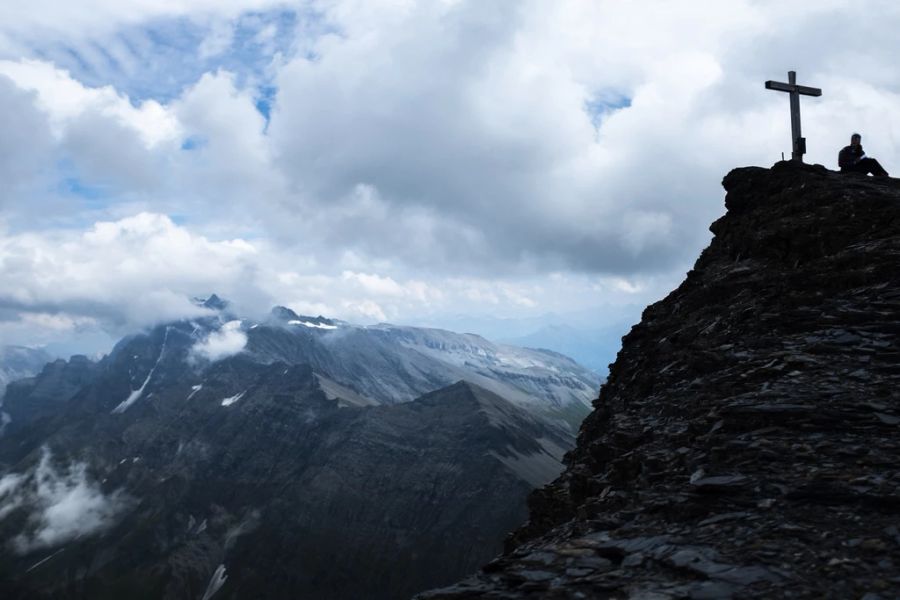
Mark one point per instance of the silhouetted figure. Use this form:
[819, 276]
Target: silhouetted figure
[852, 159]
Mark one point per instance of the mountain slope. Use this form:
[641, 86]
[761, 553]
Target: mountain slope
[45, 394]
[745, 444]
[293, 496]
[18, 362]
[388, 363]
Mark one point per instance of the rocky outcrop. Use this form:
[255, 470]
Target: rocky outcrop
[45, 394]
[747, 442]
[17, 362]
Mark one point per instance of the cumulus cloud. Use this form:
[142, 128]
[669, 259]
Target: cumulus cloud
[25, 146]
[62, 505]
[545, 136]
[96, 16]
[136, 271]
[496, 164]
[226, 341]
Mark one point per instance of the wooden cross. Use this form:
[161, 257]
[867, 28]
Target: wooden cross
[795, 91]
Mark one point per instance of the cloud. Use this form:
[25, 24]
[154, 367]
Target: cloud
[492, 166]
[26, 145]
[227, 341]
[61, 505]
[473, 138]
[71, 146]
[393, 160]
[65, 99]
[93, 17]
[138, 270]
[10, 500]
[121, 276]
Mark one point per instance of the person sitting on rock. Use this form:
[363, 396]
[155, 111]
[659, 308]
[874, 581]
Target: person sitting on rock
[852, 159]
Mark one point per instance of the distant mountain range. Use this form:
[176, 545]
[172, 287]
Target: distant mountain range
[291, 457]
[593, 348]
[17, 362]
[591, 339]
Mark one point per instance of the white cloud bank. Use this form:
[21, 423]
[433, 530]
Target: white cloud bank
[61, 505]
[137, 270]
[227, 341]
[142, 270]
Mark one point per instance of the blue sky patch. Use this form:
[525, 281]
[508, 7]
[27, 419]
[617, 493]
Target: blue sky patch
[194, 142]
[77, 187]
[265, 97]
[159, 59]
[603, 105]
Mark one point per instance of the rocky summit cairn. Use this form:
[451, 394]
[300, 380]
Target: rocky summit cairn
[747, 442]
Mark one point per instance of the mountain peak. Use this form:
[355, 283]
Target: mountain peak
[214, 302]
[282, 313]
[758, 392]
[464, 392]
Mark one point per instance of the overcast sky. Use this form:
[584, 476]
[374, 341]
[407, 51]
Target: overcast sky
[399, 160]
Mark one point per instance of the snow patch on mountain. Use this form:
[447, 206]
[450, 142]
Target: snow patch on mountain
[215, 582]
[232, 399]
[42, 561]
[135, 395]
[312, 325]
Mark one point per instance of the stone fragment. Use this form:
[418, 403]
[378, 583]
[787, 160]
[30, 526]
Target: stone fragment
[720, 484]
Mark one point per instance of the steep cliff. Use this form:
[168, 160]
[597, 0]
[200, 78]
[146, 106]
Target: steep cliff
[747, 441]
[17, 362]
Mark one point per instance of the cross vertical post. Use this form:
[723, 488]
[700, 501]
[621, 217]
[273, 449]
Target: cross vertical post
[798, 142]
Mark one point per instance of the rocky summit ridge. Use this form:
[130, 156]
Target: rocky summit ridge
[747, 441]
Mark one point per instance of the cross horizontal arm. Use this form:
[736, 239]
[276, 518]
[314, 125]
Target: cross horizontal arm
[808, 91]
[787, 87]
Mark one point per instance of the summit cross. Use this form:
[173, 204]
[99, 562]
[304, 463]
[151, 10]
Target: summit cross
[799, 145]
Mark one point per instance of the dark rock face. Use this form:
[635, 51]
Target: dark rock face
[45, 394]
[18, 362]
[746, 443]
